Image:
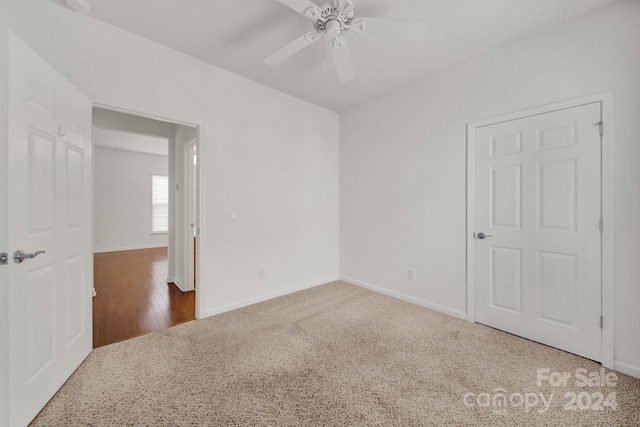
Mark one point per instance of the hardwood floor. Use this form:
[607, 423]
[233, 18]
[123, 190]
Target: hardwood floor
[133, 297]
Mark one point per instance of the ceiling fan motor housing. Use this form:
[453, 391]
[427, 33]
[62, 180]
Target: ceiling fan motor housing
[333, 18]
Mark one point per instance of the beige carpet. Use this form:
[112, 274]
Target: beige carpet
[335, 355]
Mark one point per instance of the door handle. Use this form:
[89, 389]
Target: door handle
[19, 255]
[482, 236]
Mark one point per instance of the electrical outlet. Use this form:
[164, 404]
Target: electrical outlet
[262, 274]
[411, 274]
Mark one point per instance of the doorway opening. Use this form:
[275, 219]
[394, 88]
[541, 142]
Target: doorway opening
[145, 213]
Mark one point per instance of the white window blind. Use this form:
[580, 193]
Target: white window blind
[159, 204]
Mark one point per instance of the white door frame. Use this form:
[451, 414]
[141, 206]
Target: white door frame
[188, 241]
[608, 294]
[200, 179]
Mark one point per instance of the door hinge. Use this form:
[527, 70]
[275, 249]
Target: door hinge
[601, 225]
[601, 322]
[601, 125]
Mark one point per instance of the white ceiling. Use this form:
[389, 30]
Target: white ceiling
[238, 34]
[125, 141]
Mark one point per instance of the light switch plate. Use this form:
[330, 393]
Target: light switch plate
[227, 215]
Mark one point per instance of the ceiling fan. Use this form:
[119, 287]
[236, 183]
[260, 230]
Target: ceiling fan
[332, 20]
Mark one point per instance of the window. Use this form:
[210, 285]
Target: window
[159, 204]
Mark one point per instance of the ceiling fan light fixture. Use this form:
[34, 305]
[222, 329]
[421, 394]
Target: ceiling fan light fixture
[332, 28]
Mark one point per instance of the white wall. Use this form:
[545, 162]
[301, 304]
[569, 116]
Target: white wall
[4, 278]
[403, 161]
[122, 200]
[268, 156]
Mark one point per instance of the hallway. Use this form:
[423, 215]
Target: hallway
[133, 297]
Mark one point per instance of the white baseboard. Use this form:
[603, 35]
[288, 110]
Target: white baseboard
[407, 298]
[177, 283]
[625, 368]
[266, 297]
[128, 248]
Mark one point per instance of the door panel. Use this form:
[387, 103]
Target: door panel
[506, 283]
[41, 180]
[537, 196]
[557, 287]
[40, 320]
[506, 196]
[75, 295]
[74, 191]
[557, 195]
[49, 210]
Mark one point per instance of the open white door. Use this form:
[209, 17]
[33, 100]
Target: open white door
[49, 210]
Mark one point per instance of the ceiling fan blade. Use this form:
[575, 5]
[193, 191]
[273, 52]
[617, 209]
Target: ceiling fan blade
[342, 60]
[301, 6]
[399, 29]
[292, 47]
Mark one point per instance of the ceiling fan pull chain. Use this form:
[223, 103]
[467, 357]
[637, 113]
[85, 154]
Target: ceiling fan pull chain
[324, 49]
